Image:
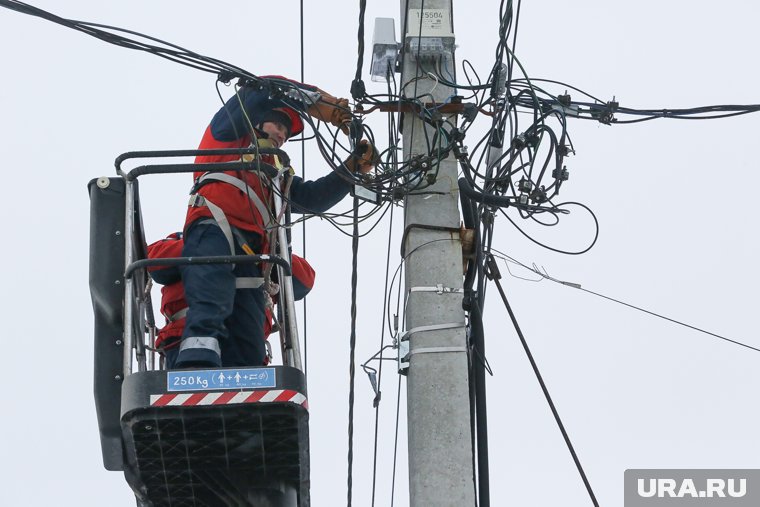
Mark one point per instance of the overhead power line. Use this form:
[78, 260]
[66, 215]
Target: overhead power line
[545, 276]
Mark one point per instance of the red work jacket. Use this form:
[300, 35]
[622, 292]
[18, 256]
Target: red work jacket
[240, 212]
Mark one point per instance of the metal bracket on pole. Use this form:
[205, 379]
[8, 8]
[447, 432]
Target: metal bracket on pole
[405, 354]
[438, 289]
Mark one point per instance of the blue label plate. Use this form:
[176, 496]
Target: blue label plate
[209, 380]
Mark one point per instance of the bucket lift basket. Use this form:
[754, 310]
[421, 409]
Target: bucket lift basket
[228, 436]
[216, 447]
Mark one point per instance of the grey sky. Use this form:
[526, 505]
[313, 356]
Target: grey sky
[674, 201]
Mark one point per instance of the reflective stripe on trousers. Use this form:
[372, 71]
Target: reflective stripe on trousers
[217, 308]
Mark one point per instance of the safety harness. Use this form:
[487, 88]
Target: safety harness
[197, 200]
[233, 234]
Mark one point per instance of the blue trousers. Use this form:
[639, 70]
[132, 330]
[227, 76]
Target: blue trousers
[224, 325]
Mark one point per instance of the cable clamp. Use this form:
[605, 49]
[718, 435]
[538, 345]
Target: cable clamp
[438, 289]
[405, 354]
[225, 76]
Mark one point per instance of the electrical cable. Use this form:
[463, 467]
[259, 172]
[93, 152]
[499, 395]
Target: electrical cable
[395, 442]
[546, 276]
[495, 276]
[514, 36]
[358, 89]
[352, 353]
[665, 318]
[376, 402]
[579, 252]
[477, 345]
[415, 79]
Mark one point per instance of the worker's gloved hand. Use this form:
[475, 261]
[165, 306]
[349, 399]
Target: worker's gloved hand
[331, 110]
[364, 158]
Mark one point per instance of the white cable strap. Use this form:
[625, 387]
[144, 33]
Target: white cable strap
[201, 342]
[249, 282]
[438, 289]
[432, 327]
[435, 350]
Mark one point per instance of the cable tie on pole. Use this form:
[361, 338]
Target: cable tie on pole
[431, 327]
[436, 350]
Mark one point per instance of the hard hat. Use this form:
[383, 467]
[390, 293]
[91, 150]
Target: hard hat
[287, 117]
[296, 124]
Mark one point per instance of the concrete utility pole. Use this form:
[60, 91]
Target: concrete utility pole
[440, 450]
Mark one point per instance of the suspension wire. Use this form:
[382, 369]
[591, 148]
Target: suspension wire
[665, 318]
[578, 286]
[494, 275]
[351, 365]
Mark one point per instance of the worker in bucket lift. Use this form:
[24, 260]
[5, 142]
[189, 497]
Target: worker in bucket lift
[231, 212]
[174, 306]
